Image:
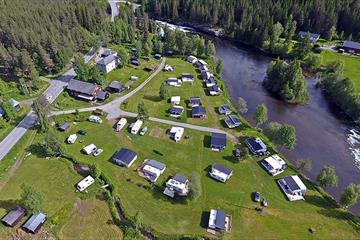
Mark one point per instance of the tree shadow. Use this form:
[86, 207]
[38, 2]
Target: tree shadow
[342, 215]
[9, 204]
[153, 98]
[38, 150]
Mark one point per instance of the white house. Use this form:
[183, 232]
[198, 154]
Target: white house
[153, 169]
[178, 185]
[175, 82]
[72, 138]
[95, 119]
[121, 124]
[274, 165]
[187, 77]
[89, 149]
[220, 172]
[108, 63]
[136, 127]
[85, 183]
[293, 187]
[175, 100]
[176, 133]
[192, 59]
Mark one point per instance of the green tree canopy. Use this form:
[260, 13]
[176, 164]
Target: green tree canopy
[261, 114]
[31, 198]
[350, 195]
[327, 177]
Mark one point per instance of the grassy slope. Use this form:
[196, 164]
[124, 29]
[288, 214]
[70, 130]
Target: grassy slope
[352, 65]
[282, 219]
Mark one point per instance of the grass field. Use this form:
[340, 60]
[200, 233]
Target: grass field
[159, 108]
[351, 63]
[11, 89]
[282, 220]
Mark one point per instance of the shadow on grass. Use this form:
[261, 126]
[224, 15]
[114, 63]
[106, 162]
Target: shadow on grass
[9, 204]
[204, 220]
[206, 141]
[342, 215]
[37, 149]
[231, 159]
[152, 98]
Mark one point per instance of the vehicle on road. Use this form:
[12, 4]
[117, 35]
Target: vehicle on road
[257, 197]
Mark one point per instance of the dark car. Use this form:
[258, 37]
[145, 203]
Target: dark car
[237, 153]
[257, 197]
[82, 132]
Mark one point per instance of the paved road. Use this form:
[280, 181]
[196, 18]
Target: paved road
[114, 9]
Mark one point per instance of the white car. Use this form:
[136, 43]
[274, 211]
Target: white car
[97, 152]
[95, 119]
[143, 131]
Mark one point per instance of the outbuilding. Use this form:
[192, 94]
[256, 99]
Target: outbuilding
[15, 104]
[173, 82]
[314, 37]
[63, 127]
[175, 100]
[218, 142]
[153, 169]
[125, 157]
[187, 77]
[214, 90]
[35, 222]
[89, 149]
[176, 111]
[225, 110]
[71, 139]
[232, 121]
[136, 127]
[177, 186]
[198, 112]
[205, 75]
[176, 133]
[115, 87]
[194, 101]
[219, 221]
[192, 59]
[220, 172]
[210, 82]
[14, 216]
[274, 165]
[351, 47]
[256, 146]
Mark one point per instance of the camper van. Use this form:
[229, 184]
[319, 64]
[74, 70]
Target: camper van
[121, 124]
[85, 183]
[89, 149]
[95, 119]
[136, 127]
[71, 139]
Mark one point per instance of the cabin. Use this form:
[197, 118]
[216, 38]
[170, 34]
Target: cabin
[256, 146]
[314, 37]
[84, 90]
[157, 56]
[210, 82]
[198, 112]
[15, 104]
[35, 222]
[176, 111]
[232, 121]
[192, 59]
[108, 63]
[219, 221]
[14, 216]
[176, 133]
[194, 101]
[187, 77]
[224, 110]
[115, 87]
[64, 127]
[177, 186]
[89, 149]
[205, 75]
[218, 142]
[293, 187]
[214, 90]
[175, 100]
[174, 82]
[136, 127]
[71, 139]
[124, 157]
[274, 165]
[134, 78]
[351, 47]
[220, 172]
[152, 170]
[85, 183]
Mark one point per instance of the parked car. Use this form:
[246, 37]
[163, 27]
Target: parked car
[95, 119]
[82, 132]
[257, 197]
[97, 152]
[143, 131]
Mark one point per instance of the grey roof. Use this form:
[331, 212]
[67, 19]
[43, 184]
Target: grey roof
[102, 95]
[351, 44]
[220, 219]
[115, 85]
[13, 102]
[256, 144]
[187, 75]
[81, 86]
[222, 168]
[234, 120]
[14, 216]
[180, 178]
[36, 220]
[198, 111]
[156, 164]
[291, 183]
[214, 88]
[313, 36]
[218, 139]
[195, 100]
[107, 60]
[225, 108]
[2, 112]
[65, 126]
[125, 156]
[176, 110]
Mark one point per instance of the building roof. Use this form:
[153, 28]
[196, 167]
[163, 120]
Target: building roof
[218, 139]
[180, 178]
[220, 219]
[36, 220]
[14, 216]
[351, 44]
[102, 95]
[195, 100]
[13, 102]
[125, 155]
[175, 99]
[214, 88]
[115, 85]
[107, 60]
[65, 126]
[232, 119]
[187, 75]
[257, 144]
[176, 110]
[156, 164]
[82, 87]
[221, 168]
[313, 36]
[294, 183]
[198, 111]
[225, 108]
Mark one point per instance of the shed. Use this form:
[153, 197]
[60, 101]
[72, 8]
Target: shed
[14, 216]
[125, 157]
[115, 86]
[63, 127]
[218, 141]
[35, 222]
[102, 96]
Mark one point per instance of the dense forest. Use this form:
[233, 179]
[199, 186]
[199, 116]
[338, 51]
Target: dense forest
[253, 21]
[40, 36]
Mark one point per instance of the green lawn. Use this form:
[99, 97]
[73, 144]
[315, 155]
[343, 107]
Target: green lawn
[11, 89]
[282, 220]
[352, 65]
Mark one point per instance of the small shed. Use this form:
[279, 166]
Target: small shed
[15, 104]
[115, 87]
[14, 216]
[35, 222]
[102, 96]
[63, 127]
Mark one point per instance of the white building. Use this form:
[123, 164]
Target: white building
[293, 187]
[136, 127]
[178, 185]
[187, 77]
[72, 138]
[85, 183]
[176, 133]
[95, 119]
[274, 165]
[192, 59]
[168, 68]
[134, 78]
[121, 124]
[202, 62]
[220, 172]
[219, 221]
[107, 64]
[89, 149]
[175, 100]
[153, 169]
[175, 82]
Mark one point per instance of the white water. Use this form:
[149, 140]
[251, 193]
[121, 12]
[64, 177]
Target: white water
[354, 142]
[173, 27]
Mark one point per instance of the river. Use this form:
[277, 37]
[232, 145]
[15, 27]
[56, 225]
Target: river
[322, 135]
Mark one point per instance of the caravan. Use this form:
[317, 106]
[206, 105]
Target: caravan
[85, 183]
[121, 124]
[136, 127]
